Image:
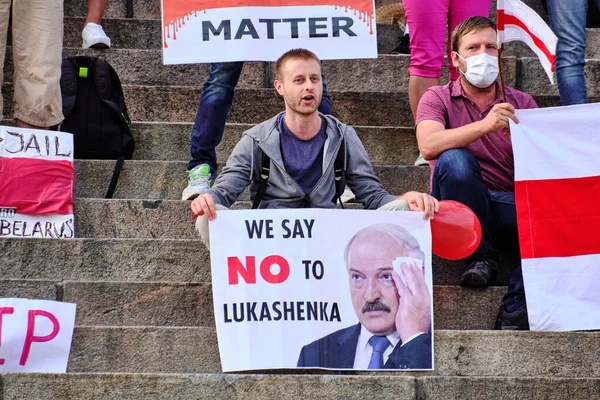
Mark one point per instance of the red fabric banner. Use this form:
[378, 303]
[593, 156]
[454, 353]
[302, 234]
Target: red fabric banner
[36, 186]
[557, 217]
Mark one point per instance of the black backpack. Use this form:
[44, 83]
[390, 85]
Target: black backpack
[95, 112]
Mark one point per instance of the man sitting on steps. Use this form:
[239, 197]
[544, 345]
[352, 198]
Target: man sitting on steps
[464, 125]
[302, 147]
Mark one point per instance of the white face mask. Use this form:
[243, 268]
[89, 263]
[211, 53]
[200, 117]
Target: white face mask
[482, 70]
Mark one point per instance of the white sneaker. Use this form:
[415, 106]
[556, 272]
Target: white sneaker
[199, 181]
[347, 196]
[420, 161]
[93, 36]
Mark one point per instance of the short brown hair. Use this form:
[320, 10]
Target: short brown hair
[302, 54]
[470, 25]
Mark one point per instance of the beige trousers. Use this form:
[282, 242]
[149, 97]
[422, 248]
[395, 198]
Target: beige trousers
[202, 222]
[37, 36]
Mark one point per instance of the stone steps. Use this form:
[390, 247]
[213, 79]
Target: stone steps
[294, 387]
[166, 179]
[141, 278]
[387, 73]
[190, 303]
[458, 353]
[139, 259]
[171, 141]
[252, 106]
[179, 104]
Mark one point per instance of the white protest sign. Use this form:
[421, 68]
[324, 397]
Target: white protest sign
[36, 189]
[284, 296]
[202, 31]
[35, 335]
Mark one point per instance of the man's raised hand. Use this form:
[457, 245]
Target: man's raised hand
[498, 118]
[414, 308]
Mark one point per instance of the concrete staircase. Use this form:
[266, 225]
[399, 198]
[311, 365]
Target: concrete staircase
[141, 278]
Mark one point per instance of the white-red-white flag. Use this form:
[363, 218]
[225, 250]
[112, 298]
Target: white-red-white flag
[515, 21]
[557, 189]
[36, 183]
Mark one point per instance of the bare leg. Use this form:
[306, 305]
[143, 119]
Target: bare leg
[417, 85]
[95, 11]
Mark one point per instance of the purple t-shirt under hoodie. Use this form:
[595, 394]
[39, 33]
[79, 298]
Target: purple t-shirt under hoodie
[302, 159]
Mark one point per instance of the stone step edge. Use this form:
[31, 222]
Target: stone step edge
[173, 283]
[441, 331]
[412, 375]
[233, 124]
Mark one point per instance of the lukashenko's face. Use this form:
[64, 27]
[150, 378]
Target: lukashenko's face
[301, 85]
[374, 295]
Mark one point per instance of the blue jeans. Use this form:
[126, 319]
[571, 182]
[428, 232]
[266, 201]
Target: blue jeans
[567, 19]
[215, 102]
[457, 176]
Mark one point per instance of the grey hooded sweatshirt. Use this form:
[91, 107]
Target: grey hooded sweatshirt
[244, 165]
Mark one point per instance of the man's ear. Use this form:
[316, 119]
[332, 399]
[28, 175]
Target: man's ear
[278, 86]
[455, 59]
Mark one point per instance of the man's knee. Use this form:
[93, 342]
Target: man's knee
[457, 165]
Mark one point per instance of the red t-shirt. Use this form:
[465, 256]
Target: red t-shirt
[449, 106]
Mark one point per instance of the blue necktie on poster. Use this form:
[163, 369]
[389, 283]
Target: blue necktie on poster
[379, 344]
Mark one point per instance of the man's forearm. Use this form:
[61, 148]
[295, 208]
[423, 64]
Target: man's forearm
[434, 143]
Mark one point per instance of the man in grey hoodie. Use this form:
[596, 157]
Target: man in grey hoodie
[302, 145]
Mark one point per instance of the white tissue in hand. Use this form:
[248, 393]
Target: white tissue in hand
[407, 260]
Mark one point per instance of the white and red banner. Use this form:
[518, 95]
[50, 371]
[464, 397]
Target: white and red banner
[35, 335]
[557, 188]
[291, 291]
[515, 21]
[202, 31]
[36, 183]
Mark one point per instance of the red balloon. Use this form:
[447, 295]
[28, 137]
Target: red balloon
[455, 231]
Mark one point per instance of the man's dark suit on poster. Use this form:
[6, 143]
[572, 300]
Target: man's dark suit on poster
[338, 349]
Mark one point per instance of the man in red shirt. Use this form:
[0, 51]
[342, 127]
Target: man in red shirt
[464, 127]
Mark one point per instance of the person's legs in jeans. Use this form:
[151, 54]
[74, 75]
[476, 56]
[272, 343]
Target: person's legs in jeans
[457, 176]
[215, 102]
[567, 19]
[513, 312]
